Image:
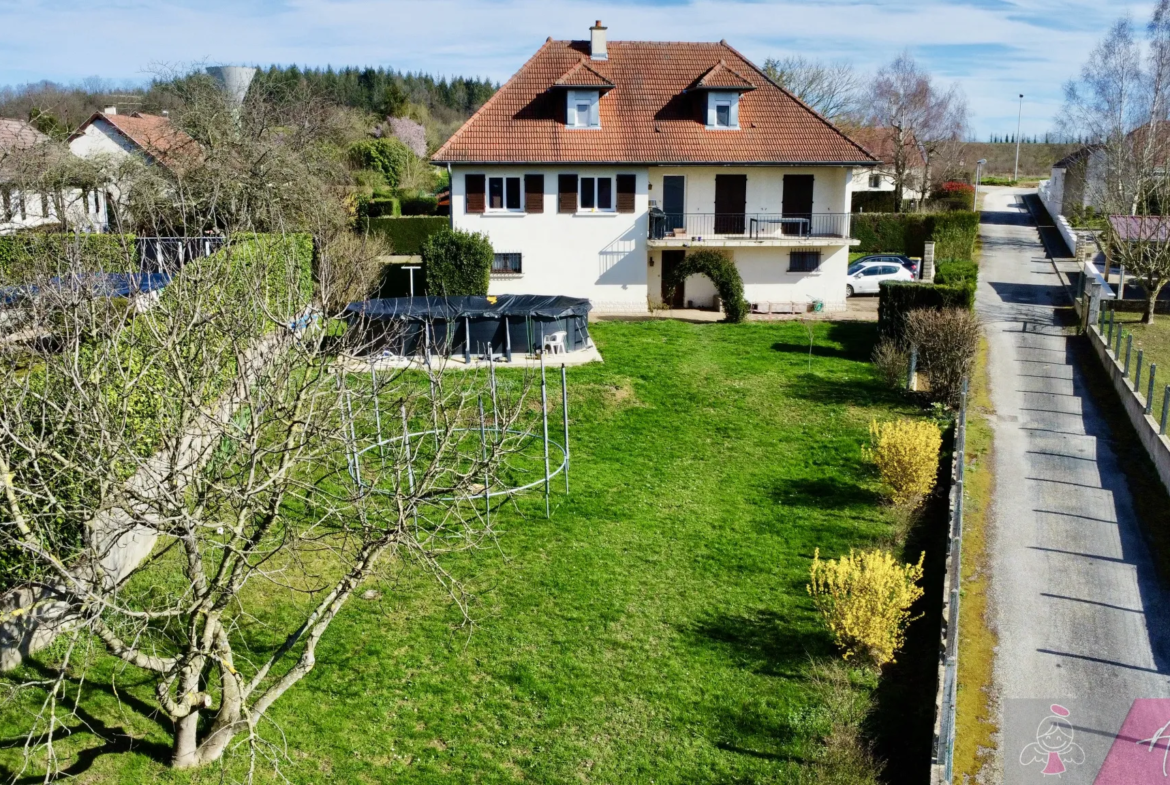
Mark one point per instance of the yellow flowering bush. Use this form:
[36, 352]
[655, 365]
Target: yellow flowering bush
[865, 599]
[906, 454]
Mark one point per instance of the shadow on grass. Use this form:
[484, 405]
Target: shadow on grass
[112, 740]
[854, 341]
[901, 722]
[824, 492]
[843, 391]
[764, 641]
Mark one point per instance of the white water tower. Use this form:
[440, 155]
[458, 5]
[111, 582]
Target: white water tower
[234, 79]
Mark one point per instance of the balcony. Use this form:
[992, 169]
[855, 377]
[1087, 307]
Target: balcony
[676, 230]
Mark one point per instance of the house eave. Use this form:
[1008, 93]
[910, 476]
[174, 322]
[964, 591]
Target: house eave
[459, 162]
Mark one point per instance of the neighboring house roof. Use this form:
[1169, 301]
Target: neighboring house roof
[879, 140]
[649, 116]
[1076, 156]
[153, 134]
[1134, 228]
[18, 135]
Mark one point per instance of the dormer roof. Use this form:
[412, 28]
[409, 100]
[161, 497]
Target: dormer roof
[721, 77]
[582, 77]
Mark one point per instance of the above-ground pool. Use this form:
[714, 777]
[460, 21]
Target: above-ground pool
[505, 324]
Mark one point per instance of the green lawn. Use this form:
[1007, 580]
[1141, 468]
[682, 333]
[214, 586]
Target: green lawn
[1154, 342]
[656, 629]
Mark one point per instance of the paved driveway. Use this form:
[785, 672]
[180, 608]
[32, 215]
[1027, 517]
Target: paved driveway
[1080, 616]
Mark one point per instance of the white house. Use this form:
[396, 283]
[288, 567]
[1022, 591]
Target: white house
[1077, 181]
[600, 164]
[23, 208]
[881, 143]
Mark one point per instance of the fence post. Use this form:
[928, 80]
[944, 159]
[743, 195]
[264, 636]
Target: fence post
[912, 374]
[1137, 375]
[1150, 392]
[1109, 342]
[1117, 348]
[1121, 284]
[1165, 409]
[1128, 349]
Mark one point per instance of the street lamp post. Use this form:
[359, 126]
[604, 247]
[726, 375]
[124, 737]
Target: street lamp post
[978, 169]
[1019, 117]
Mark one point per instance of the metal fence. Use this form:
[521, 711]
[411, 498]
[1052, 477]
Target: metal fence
[169, 254]
[755, 226]
[944, 750]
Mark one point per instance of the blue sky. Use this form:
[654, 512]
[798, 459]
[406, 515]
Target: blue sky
[995, 49]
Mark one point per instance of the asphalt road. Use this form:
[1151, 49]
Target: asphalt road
[1080, 615]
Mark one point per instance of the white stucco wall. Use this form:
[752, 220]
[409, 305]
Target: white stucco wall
[861, 181]
[100, 138]
[605, 256]
[601, 256]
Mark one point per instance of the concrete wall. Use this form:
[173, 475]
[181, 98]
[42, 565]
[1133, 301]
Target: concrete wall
[1134, 403]
[1052, 195]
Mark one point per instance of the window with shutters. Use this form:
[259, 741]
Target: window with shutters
[474, 184]
[804, 261]
[506, 264]
[583, 109]
[567, 193]
[596, 194]
[504, 194]
[626, 187]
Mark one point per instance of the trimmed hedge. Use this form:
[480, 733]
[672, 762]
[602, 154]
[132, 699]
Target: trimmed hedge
[418, 205]
[22, 255]
[897, 298]
[457, 263]
[956, 273]
[407, 235]
[953, 233]
[872, 202]
[721, 270]
[279, 267]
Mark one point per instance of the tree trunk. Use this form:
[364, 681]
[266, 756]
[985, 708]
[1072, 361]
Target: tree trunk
[1151, 300]
[185, 753]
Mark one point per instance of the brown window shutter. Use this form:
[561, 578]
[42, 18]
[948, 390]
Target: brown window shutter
[474, 183]
[534, 193]
[626, 184]
[567, 193]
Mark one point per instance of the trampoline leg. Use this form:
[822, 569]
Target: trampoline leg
[507, 341]
[544, 417]
[487, 499]
[565, 411]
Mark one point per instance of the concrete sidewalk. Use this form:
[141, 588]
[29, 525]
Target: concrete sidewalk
[1076, 603]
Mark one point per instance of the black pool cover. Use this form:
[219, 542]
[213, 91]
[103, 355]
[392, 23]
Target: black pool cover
[470, 325]
[451, 308]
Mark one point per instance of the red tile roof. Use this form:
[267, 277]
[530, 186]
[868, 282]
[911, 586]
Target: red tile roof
[649, 117]
[581, 75]
[19, 135]
[153, 134]
[1134, 228]
[879, 140]
[720, 76]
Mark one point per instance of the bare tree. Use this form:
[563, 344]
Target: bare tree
[1120, 103]
[170, 463]
[833, 89]
[919, 115]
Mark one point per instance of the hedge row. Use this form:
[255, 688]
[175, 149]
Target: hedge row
[279, 267]
[953, 233]
[407, 235]
[898, 298]
[23, 255]
[955, 273]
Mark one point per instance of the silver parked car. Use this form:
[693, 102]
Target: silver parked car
[863, 277]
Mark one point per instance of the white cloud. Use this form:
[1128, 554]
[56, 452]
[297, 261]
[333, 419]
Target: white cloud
[1041, 42]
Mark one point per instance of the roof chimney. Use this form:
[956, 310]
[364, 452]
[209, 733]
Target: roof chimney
[110, 110]
[597, 49]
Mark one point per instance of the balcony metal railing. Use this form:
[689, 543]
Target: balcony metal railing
[751, 226]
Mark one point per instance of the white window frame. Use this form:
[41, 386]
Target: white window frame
[504, 178]
[875, 181]
[716, 99]
[573, 118]
[595, 179]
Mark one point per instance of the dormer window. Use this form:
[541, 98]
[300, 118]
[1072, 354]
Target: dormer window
[722, 110]
[584, 109]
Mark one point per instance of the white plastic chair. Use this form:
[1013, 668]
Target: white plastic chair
[554, 343]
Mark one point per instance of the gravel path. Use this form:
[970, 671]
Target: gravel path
[1080, 615]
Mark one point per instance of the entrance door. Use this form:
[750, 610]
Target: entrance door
[797, 203]
[674, 201]
[730, 202]
[670, 261]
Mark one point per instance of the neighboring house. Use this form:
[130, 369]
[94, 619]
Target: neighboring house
[22, 208]
[109, 136]
[1077, 181]
[880, 141]
[599, 165]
